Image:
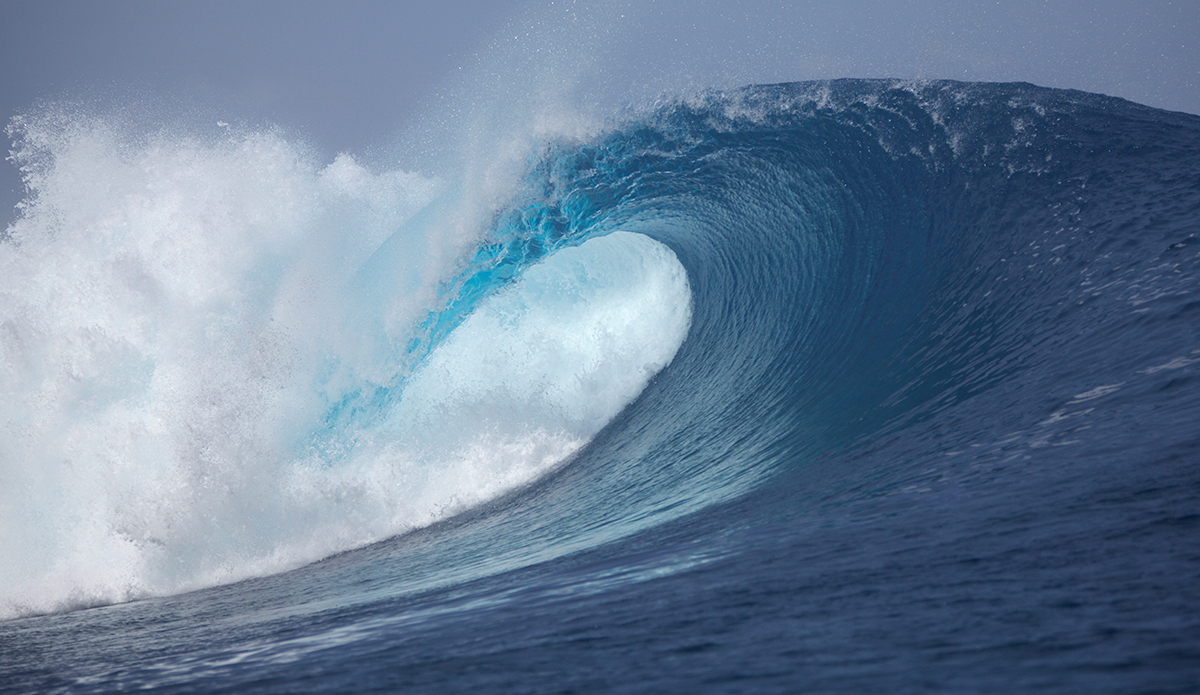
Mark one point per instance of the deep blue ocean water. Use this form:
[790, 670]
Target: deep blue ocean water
[923, 415]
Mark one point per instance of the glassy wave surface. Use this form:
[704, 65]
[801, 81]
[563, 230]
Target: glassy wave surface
[862, 386]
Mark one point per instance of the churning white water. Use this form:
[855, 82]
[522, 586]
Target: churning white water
[180, 313]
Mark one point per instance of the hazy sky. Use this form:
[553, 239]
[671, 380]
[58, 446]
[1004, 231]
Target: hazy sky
[353, 74]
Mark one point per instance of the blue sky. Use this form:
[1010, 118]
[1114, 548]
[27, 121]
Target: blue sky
[353, 75]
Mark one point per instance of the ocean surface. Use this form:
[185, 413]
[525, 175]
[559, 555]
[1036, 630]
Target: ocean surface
[856, 386]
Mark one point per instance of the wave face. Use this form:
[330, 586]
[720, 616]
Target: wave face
[823, 386]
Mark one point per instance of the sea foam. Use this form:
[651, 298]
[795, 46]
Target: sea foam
[180, 312]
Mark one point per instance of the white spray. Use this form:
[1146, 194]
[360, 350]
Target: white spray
[177, 314]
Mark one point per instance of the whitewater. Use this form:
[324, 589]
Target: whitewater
[190, 350]
[843, 386]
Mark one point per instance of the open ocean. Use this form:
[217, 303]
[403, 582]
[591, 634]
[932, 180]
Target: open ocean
[861, 386]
